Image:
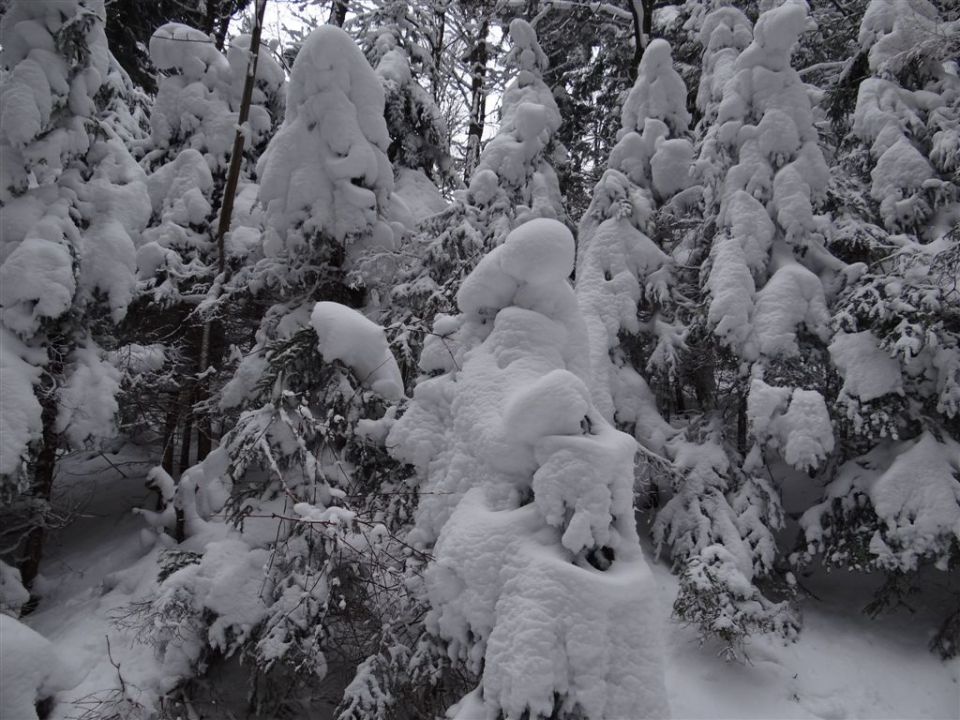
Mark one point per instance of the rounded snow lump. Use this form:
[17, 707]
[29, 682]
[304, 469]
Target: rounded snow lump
[554, 405]
[539, 251]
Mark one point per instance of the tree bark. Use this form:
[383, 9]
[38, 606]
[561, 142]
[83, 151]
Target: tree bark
[437, 54]
[338, 13]
[642, 13]
[44, 472]
[478, 58]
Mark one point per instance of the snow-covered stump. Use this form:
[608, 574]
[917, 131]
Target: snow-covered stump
[537, 583]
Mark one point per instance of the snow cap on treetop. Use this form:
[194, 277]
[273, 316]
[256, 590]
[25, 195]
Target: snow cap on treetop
[526, 53]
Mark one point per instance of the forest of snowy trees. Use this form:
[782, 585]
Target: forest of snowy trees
[451, 358]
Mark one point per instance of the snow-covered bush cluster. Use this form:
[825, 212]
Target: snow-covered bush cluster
[410, 396]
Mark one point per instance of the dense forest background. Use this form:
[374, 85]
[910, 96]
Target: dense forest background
[428, 326]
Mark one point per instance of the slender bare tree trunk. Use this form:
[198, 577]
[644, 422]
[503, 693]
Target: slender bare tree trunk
[478, 58]
[338, 13]
[44, 471]
[204, 441]
[437, 54]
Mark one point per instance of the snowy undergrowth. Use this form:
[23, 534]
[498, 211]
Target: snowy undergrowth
[844, 665]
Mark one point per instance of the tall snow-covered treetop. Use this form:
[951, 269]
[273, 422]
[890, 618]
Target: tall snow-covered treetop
[325, 177]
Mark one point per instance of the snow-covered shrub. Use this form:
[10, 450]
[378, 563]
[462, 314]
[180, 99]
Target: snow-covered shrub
[526, 499]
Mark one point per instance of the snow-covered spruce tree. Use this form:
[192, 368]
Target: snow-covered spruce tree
[304, 449]
[624, 279]
[762, 338]
[628, 288]
[393, 44]
[74, 201]
[514, 181]
[526, 501]
[192, 132]
[894, 503]
[591, 67]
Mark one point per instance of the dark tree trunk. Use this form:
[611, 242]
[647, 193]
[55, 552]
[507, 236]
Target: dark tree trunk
[642, 29]
[338, 13]
[44, 471]
[169, 437]
[478, 58]
[437, 55]
[185, 437]
[742, 425]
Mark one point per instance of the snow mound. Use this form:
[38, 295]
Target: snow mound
[30, 671]
[795, 422]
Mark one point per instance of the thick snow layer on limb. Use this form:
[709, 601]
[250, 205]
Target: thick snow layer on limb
[796, 423]
[732, 293]
[37, 280]
[41, 79]
[88, 400]
[345, 334]
[725, 33]
[30, 671]
[118, 209]
[20, 421]
[748, 222]
[913, 488]
[525, 53]
[793, 297]
[326, 169]
[868, 372]
[188, 51]
[891, 29]
[419, 194]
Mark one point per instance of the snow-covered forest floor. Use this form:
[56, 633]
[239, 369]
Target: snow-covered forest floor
[844, 664]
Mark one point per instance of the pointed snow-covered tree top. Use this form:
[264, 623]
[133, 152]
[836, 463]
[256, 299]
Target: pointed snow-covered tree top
[624, 279]
[517, 161]
[325, 174]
